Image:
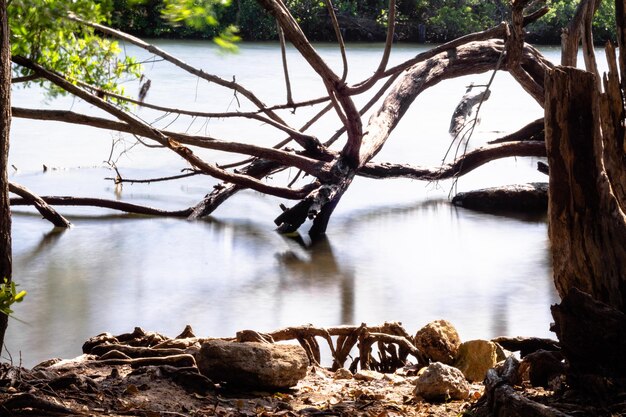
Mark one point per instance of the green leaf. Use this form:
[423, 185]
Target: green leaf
[9, 296]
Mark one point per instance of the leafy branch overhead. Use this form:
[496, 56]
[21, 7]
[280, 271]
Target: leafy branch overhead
[42, 33]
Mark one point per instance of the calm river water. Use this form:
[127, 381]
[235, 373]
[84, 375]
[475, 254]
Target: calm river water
[396, 250]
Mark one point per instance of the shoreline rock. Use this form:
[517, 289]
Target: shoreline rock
[253, 365]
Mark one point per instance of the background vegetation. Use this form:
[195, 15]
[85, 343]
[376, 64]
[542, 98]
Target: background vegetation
[438, 20]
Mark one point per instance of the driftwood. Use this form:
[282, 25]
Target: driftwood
[465, 109]
[527, 345]
[184, 360]
[502, 399]
[134, 351]
[531, 197]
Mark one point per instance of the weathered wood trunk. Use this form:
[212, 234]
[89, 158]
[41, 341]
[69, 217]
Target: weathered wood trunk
[593, 339]
[587, 224]
[5, 122]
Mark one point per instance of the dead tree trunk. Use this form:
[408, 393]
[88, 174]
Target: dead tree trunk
[5, 123]
[587, 224]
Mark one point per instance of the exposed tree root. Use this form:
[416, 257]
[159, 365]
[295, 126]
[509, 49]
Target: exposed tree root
[33, 403]
[527, 345]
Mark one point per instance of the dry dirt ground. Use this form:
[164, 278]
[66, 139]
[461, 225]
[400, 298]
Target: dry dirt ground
[84, 387]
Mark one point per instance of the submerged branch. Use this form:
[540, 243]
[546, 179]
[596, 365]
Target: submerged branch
[40, 204]
[104, 203]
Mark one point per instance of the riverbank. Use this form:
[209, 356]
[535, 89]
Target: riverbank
[161, 382]
[81, 387]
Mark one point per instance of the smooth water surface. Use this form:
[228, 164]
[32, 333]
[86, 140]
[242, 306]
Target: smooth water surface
[396, 250]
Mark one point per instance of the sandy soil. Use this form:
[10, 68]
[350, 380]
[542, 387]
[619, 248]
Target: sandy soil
[83, 387]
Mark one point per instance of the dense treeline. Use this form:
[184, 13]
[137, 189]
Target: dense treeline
[419, 20]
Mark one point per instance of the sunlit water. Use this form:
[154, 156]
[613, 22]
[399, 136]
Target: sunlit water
[396, 250]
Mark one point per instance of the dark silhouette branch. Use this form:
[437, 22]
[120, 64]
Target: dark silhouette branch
[310, 166]
[104, 203]
[40, 204]
[461, 166]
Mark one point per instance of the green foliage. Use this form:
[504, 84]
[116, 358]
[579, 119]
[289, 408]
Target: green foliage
[41, 31]
[449, 19]
[9, 296]
[197, 14]
[548, 28]
[443, 19]
[197, 19]
[253, 22]
[141, 18]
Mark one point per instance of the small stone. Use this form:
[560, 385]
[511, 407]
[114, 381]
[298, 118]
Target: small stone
[438, 340]
[394, 379]
[253, 365]
[366, 375]
[343, 373]
[501, 353]
[441, 382]
[475, 358]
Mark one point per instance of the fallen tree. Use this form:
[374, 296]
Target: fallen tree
[329, 172]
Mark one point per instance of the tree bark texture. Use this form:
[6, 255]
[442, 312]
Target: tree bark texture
[587, 226]
[5, 124]
[593, 337]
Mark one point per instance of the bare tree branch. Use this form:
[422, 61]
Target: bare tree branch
[148, 131]
[310, 166]
[380, 71]
[283, 52]
[342, 45]
[461, 166]
[534, 130]
[179, 63]
[99, 202]
[332, 172]
[25, 79]
[346, 108]
[42, 207]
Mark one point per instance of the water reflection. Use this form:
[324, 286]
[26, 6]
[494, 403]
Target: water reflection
[412, 263]
[315, 262]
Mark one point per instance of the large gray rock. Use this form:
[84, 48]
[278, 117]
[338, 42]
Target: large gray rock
[253, 365]
[476, 357]
[441, 382]
[439, 341]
